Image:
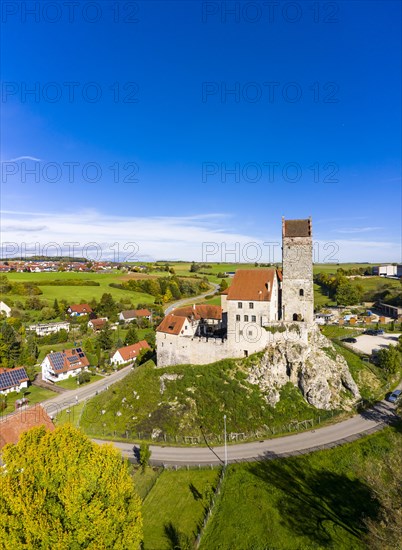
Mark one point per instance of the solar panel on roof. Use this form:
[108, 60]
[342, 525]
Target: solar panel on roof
[81, 354]
[72, 359]
[79, 350]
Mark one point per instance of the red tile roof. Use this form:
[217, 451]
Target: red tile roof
[252, 284]
[81, 308]
[131, 352]
[98, 322]
[132, 313]
[199, 311]
[15, 424]
[171, 324]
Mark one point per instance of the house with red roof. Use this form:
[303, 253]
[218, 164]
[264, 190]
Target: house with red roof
[61, 365]
[98, 324]
[129, 354]
[76, 310]
[14, 425]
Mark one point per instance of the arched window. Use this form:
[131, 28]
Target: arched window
[301, 292]
[295, 317]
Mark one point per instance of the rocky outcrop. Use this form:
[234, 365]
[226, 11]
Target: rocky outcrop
[321, 374]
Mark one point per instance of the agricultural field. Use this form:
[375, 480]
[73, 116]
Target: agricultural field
[77, 294]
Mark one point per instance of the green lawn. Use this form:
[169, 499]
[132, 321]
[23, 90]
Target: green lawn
[71, 383]
[174, 509]
[35, 394]
[71, 415]
[144, 480]
[311, 502]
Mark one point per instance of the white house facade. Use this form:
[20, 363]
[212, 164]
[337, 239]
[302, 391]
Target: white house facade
[13, 380]
[64, 364]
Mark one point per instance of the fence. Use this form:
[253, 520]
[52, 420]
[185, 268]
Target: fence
[265, 431]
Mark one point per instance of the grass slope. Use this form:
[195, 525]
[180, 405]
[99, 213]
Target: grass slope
[311, 502]
[174, 509]
[197, 398]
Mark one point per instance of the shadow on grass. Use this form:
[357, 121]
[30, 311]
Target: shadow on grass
[195, 492]
[318, 504]
[177, 540]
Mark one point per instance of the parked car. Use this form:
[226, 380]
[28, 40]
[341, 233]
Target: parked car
[370, 332]
[350, 340]
[393, 398]
[379, 332]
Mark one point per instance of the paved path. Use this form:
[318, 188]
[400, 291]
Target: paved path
[349, 430]
[185, 301]
[71, 397]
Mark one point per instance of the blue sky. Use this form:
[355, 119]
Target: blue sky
[215, 124]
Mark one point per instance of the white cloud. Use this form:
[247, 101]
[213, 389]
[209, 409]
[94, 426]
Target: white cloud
[174, 237]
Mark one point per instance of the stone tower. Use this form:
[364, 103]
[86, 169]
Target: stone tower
[297, 266]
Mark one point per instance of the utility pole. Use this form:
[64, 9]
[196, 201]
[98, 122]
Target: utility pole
[226, 449]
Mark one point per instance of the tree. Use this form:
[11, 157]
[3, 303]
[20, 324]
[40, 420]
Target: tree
[223, 285]
[347, 294]
[389, 359]
[145, 455]
[84, 377]
[131, 336]
[107, 306]
[104, 338]
[60, 490]
[56, 306]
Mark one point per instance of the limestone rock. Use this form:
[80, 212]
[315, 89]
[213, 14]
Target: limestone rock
[321, 374]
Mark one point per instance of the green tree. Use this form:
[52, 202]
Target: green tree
[131, 336]
[223, 285]
[56, 306]
[389, 359]
[84, 377]
[145, 455]
[104, 338]
[107, 306]
[59, 490]
[347, 294]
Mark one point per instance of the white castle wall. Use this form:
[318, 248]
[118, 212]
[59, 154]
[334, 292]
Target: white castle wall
[174, 350]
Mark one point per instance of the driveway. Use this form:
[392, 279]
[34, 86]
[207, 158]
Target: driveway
[366, 343]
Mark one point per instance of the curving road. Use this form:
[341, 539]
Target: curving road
[330, 436]
[185, 301]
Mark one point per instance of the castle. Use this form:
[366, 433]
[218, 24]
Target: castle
[260, 307]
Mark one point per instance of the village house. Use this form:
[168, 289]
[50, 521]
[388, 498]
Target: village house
[98, 324]
[252, 308]
[61, 365]
[76, 310]
[4, 308]
[43, 329]
[13, 426]
[13, 380]
[134, 314]
[128, 353]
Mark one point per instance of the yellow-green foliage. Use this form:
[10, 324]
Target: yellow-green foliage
[59, 490]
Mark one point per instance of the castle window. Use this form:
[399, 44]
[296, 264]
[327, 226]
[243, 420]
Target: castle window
[301, 292]
[239, 305]
[251, 305]
[253, 319]
[296, 317]
[246, 317]
[237, 317]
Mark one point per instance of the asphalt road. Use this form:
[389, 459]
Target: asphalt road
[186, 301]
[349, 430]
[67, 399]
